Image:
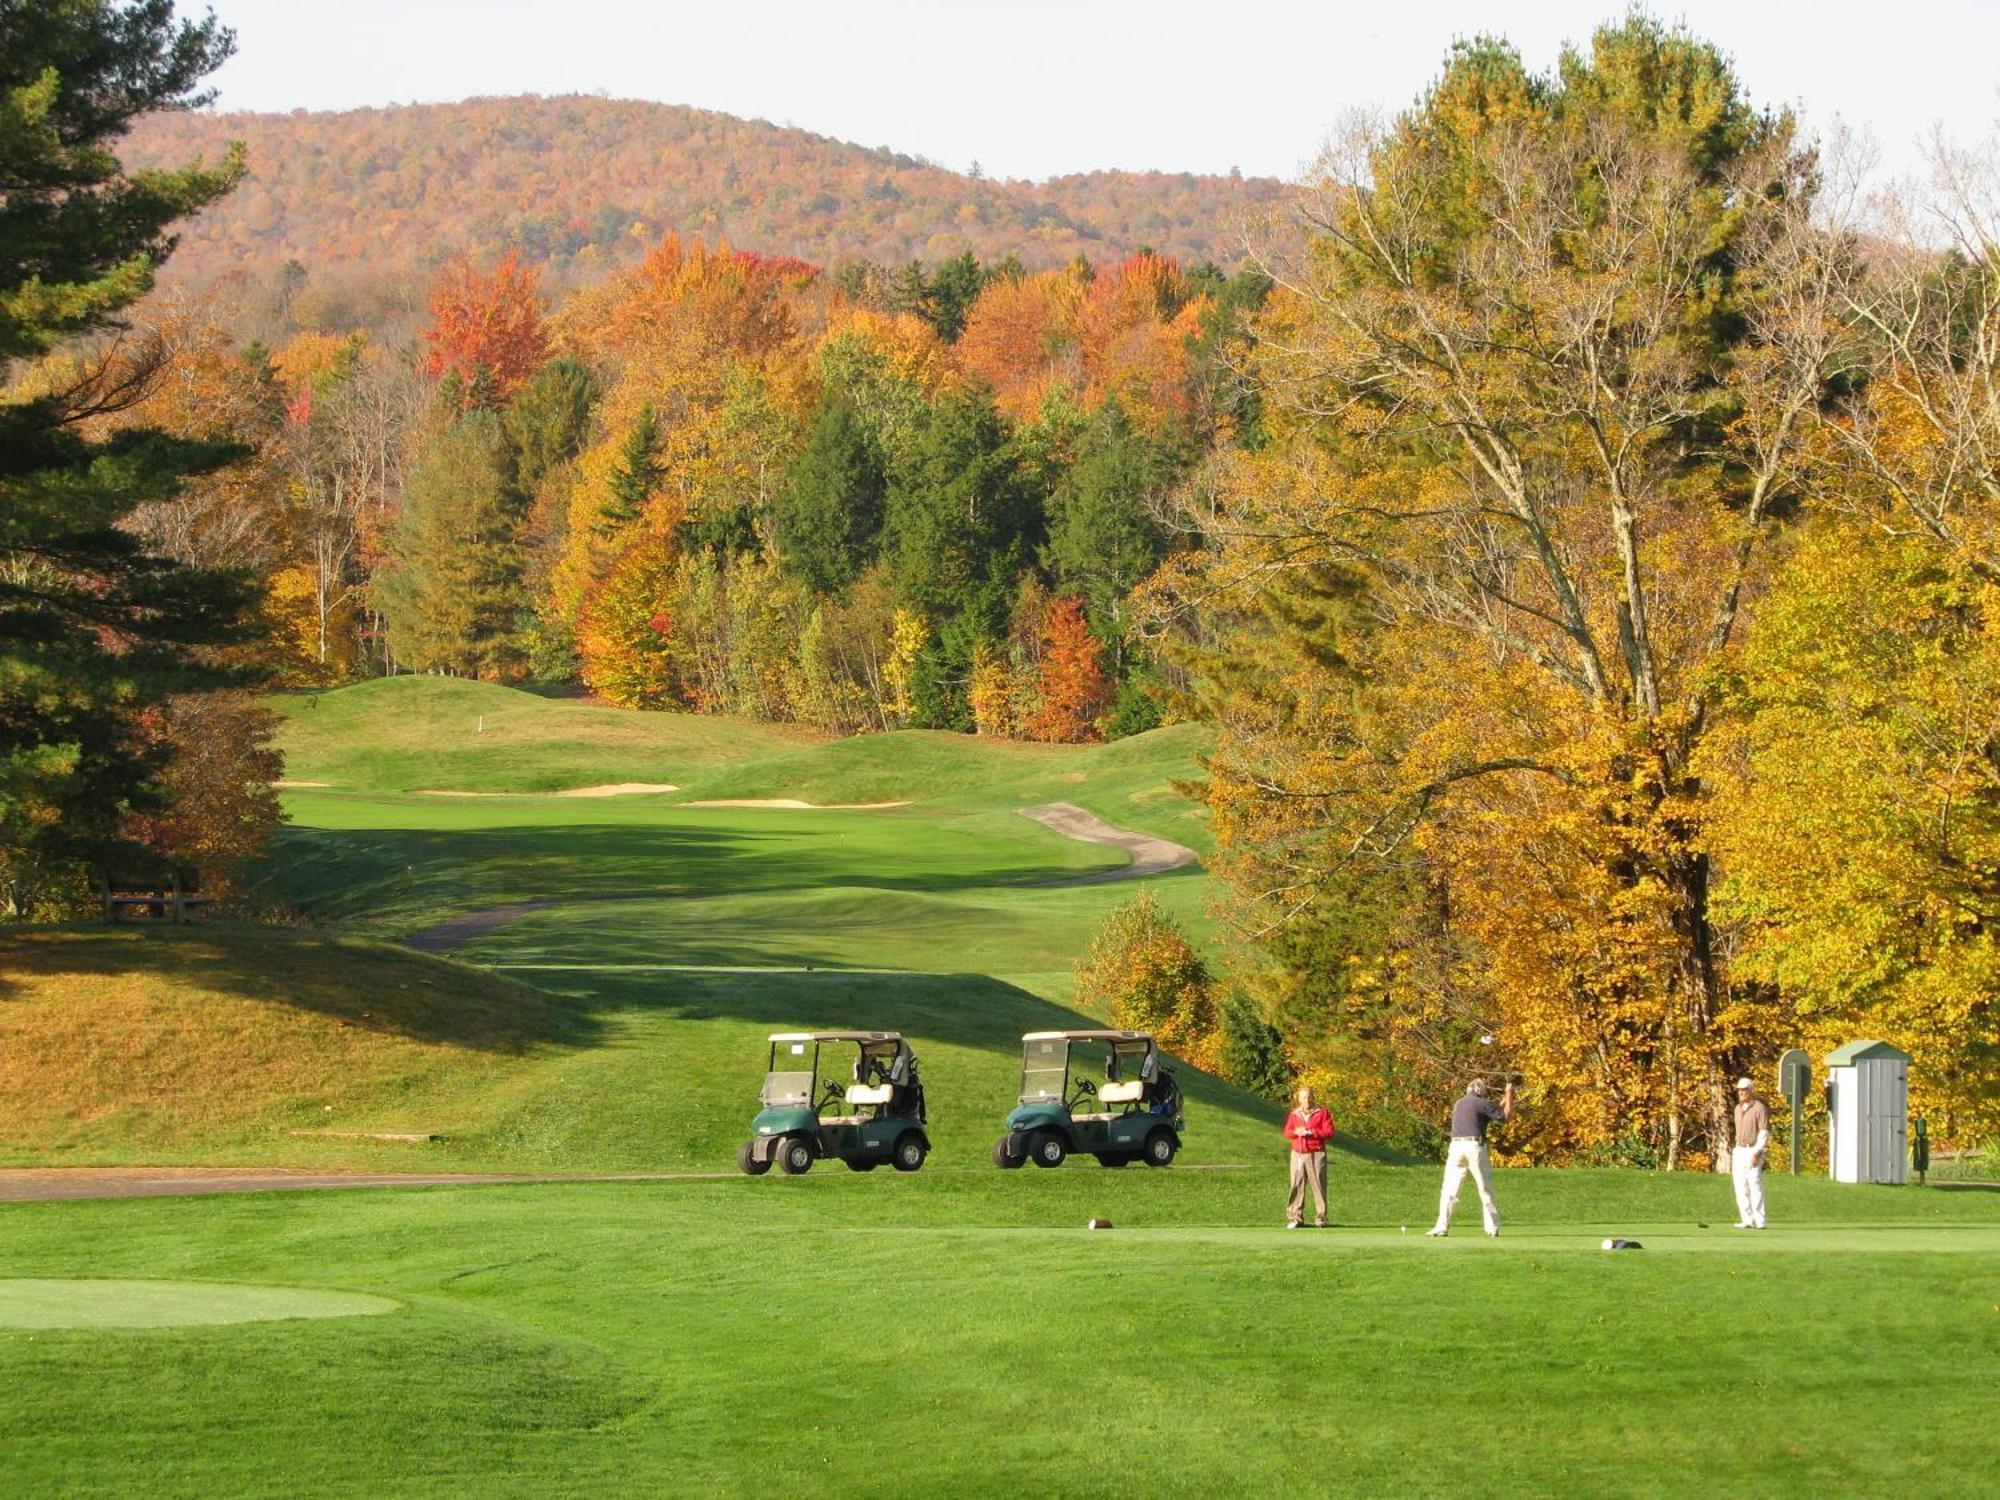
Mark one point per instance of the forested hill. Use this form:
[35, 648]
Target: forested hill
[580, 183]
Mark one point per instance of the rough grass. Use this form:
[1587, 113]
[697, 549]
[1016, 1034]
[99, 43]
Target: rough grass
[218, 1043]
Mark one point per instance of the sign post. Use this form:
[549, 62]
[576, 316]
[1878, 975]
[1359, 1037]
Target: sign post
[1794, 1078]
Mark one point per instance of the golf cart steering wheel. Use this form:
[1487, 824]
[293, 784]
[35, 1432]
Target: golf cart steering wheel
[834, 1091]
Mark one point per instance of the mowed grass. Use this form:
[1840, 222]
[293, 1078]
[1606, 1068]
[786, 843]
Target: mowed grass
[962, 1334]
[954, 1332]
[404, 734]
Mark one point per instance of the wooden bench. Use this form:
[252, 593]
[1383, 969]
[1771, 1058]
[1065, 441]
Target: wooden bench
[175, 897]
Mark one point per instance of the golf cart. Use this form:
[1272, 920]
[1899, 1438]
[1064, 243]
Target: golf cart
[1138, 1105]
[880, 1104]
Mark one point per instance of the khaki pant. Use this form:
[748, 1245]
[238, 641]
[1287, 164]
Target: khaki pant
[1308, 1167]
[1467, 1156]
[1749, 1178]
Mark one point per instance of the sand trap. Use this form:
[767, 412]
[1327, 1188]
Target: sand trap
[282, 784]
[172, 1304]
[795, 805]
[609, 789]
[1150, 855]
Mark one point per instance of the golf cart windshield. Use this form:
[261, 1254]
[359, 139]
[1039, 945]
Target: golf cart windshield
[1044, 1070]
[790, 1080]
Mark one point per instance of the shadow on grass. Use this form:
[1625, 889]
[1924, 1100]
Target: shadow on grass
[963, 1010]
[369, 986]
[350, 871]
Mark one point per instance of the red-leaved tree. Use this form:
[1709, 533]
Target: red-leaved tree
[486, 330]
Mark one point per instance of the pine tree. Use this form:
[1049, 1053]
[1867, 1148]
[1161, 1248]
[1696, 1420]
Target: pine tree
[829, 514]
[451, 596]
[637, 475]
[549, 420]
[92, 628]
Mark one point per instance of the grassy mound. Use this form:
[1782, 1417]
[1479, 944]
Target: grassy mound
[224, 1043]
[405, 734]
[417, 734]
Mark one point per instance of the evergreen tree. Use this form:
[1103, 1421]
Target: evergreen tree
[960, 518]
[451, 597]
[92, 628]
[953, 288]
[637, 475]
[1102, 538]
[829, 513]
[549, 420]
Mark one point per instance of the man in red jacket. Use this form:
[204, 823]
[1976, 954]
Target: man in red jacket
[1307, 1130]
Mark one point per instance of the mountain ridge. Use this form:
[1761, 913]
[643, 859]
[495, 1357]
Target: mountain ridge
[581, 184]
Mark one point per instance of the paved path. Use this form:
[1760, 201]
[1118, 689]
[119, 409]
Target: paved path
[449, 934]
[1150, 855]
[44, 1184]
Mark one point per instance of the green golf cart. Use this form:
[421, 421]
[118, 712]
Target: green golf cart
[1133, 1115]
[873, 1114]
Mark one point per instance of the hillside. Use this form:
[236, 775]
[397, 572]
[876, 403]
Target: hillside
[582, 183]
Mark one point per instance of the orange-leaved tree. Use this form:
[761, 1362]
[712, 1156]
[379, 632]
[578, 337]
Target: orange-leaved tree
[486, 330]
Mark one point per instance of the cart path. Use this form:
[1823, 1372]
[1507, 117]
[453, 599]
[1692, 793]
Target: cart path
[450, 934]
[73, 1184]
[1150, 855]
[50, 1184]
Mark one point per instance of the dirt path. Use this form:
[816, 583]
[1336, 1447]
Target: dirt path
[1150, 855]
[449, 934]
[49, 1184]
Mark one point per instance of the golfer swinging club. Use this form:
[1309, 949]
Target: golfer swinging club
[1469, 1119]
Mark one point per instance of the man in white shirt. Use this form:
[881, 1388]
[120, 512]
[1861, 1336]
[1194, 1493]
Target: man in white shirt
[1746, 1158]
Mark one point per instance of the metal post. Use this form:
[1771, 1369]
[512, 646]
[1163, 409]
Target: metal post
[1794, 1076]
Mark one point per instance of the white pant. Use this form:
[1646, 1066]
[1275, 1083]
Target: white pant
[1749, 1179]
[1468, 1156]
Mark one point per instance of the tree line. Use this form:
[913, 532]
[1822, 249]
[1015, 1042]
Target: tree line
[1580, 532]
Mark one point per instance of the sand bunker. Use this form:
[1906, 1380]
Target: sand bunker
[172, 1304]
[609, 789]
[795, 805]
[283, 784]
[1151, 855]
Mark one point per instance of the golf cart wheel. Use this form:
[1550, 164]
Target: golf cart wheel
[1160, 1148]
[863, 1163]
[911, 1149]
[1112, 1159]
[795, 1155]
[747, 1160]
[1047, 1149]
[1005, 1159]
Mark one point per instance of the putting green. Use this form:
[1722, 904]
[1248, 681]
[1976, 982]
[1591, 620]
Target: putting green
[171, 1304]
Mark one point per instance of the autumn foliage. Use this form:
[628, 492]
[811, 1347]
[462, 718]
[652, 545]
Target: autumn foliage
[486, 330]
[1143, 973]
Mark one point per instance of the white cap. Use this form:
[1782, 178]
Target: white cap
[1744, 1083]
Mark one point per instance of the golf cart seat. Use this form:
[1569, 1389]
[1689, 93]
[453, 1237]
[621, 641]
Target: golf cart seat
[1129, 1092]
[870, 1093]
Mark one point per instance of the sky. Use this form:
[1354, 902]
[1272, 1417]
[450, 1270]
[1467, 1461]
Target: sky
[1033, 89]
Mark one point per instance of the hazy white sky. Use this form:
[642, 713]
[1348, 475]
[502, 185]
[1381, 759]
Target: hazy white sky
[1030, 88]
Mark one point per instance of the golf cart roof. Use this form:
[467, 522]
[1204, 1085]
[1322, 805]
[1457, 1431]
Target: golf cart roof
[1089, 1036]
[835, 1036]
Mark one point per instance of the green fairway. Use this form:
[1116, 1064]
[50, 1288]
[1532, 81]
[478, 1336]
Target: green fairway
[952, 1332]
[26, 1302]
[962, 1334]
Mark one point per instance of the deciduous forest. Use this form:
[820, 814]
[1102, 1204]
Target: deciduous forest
[1577, 520]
